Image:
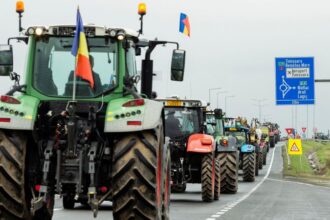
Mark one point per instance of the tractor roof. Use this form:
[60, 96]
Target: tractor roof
[90, 30]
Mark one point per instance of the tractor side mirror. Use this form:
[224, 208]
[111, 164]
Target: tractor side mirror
[178, 64]
[6, 60]
[218, 113]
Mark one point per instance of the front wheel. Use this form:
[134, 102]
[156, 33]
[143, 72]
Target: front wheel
[249, 164]
[208, 177]
[137, 176]
[179, 188]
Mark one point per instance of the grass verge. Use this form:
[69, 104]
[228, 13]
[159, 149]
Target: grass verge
[299, 166]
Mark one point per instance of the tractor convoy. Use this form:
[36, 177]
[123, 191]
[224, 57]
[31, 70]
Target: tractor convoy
[102, 138]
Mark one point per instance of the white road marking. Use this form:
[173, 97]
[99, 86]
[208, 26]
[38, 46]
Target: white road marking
[58, 209]
[300, 183]
[228, 207]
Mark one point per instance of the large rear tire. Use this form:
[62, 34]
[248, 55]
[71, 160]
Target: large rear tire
[272, 142]
[15, 193]
[208, 177]
[136, 174]
[264, 161]
[249, 163]
[229, 172]
[261, 160]
[166, 186]
[217, 181]
[256, 167]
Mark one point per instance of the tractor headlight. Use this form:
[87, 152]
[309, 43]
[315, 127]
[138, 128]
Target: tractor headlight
[30, 31]
[121, 35]
[39, 31]
[113, 33]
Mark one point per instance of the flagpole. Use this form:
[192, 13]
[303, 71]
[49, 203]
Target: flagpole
[74, 87]
[74, 81]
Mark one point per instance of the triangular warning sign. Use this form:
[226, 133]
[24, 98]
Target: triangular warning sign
[294, 148]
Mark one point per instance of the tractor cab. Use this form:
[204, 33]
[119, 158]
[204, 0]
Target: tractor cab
[234, 128]
[215, 126]
[182, 118]
[192, 150]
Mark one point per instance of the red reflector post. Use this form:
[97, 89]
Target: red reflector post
[103, 189]
[134, 103]
[37, 188]
[134, 123]
[5, 120]
[9, 100]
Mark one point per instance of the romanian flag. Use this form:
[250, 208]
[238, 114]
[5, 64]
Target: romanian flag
[80, 51]
[184, 24]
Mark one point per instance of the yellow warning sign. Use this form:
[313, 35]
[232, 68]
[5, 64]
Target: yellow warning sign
[295, 147]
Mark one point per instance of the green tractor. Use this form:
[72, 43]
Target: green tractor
[239, 129]
[89, 145]
[226, 151]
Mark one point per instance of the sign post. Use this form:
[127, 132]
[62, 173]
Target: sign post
[295, 82]
[295, 148]
[304, 129]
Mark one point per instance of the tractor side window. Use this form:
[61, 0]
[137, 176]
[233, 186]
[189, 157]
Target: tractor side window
[131, 61]
[210, 129]
[219, 127]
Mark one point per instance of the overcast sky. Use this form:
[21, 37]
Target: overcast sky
[233, 45]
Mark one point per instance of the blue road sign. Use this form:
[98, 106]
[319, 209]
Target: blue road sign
[295, 81]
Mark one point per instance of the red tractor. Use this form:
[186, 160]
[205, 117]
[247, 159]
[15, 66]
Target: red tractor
[192, 150]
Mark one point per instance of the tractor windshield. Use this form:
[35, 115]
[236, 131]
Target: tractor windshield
[54, 65]
[239, 136]
[214, 126]
[181, 121]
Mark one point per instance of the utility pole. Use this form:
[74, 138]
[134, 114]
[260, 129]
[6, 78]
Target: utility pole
[314, 106]
[307, 125]
[212, 89]
[218, 93]
[260, 105]
[226, 97]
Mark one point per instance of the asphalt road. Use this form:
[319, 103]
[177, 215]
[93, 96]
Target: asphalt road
[269, 197]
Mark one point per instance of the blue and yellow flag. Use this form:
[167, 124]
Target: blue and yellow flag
[80, 51]
[184, 24]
